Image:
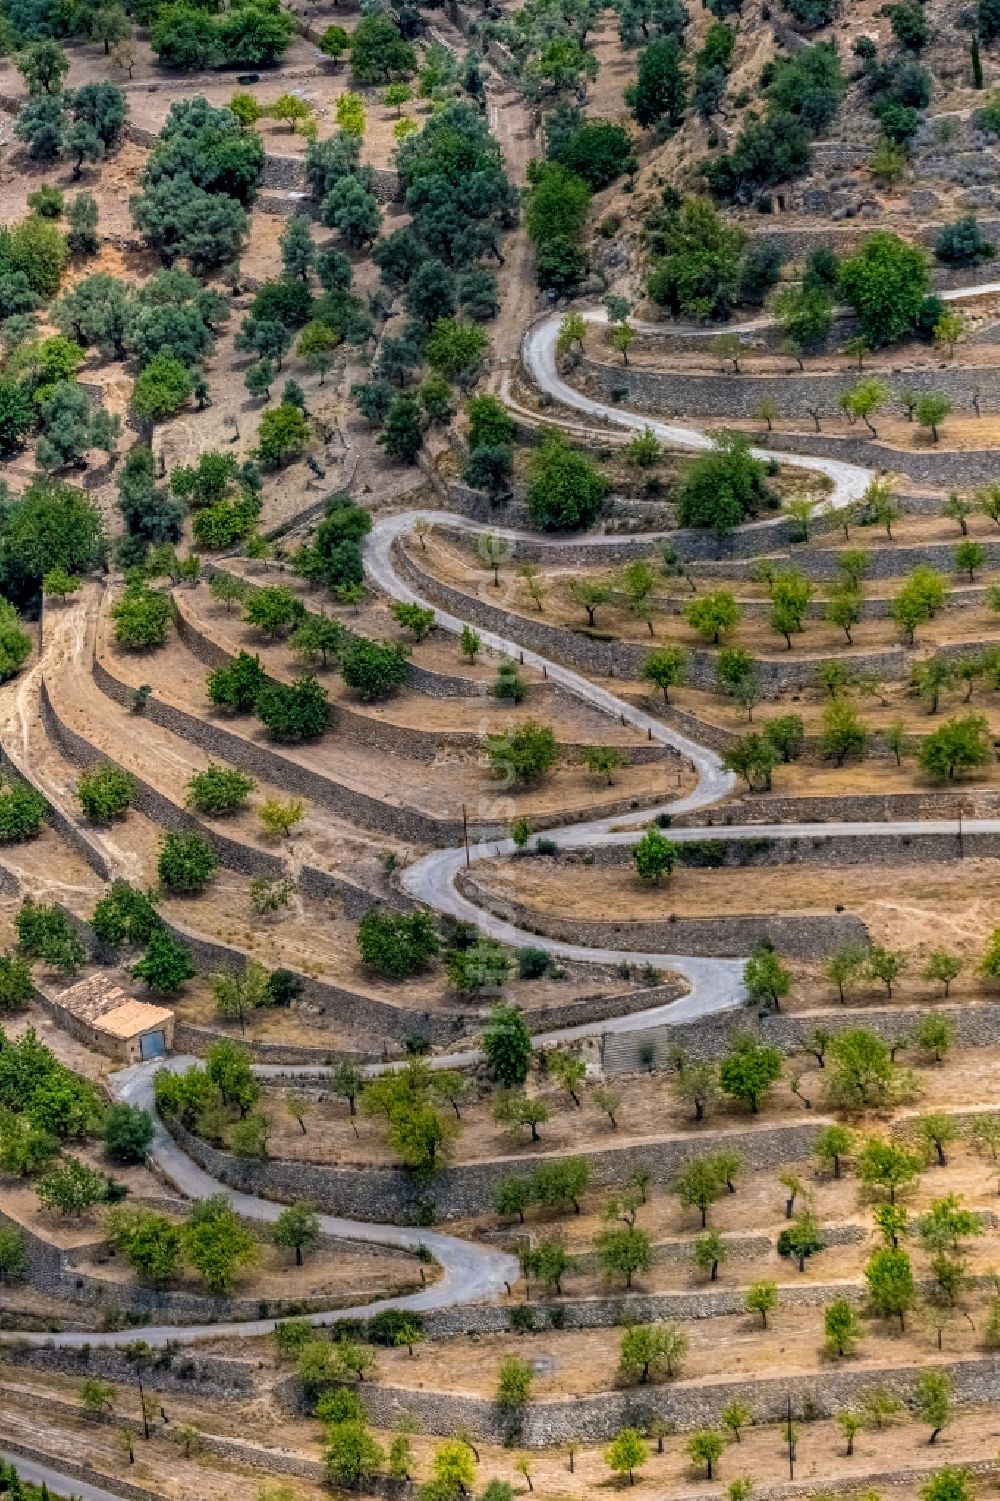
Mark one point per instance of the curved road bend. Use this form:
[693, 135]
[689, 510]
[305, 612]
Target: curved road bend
[473, 1271]
[470, 1272]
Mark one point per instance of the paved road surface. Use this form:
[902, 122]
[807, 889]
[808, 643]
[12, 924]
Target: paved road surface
[472, 1272]
[36, 1473]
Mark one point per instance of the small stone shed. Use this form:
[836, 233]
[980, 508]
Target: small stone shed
[102, 1015]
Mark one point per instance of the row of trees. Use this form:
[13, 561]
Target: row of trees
[853, 965]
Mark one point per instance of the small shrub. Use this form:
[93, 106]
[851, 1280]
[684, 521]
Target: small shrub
[106, 794]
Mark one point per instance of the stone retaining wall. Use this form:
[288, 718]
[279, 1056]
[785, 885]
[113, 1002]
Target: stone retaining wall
[624, 659]
[599, 1417]
[189, 1038]
[64, 827]
[803, 936]
[157, 807]
[809, 849]
[928, 466]
[86, 1474]
[684, 394]
[389, 1195]
[374, 732]
[974, 802]
[181, 1371]
[293, 777]
[358, 807]
[975, 1026]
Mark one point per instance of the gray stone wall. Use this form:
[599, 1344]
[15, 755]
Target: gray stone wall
[975, 1026]
[64, 827]
[682, 394]
[182, 1371]
[698, 1404]
[975, 802]
[84, 1473]
[813, 849]
[624, 659]
[232, 853]
[928, 466]
[189, 1038]
[294, 777]
[799, 937]
[388, 1195]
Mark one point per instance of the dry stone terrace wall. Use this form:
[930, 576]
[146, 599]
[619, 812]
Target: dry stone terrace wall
[271, 766]
[84, 1473]
[599, 1417]
[375, 732]
[976, 802]
[975, 1026]
[681, 394]
[57, 1272]
[184, 1373]
[797, 937]
[624, 659]
[927, 467]
[810, 849]
[391, 1195]
[153, 804]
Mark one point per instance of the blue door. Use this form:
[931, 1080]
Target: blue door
[152, 1045]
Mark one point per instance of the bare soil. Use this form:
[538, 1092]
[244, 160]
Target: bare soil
[917, 908]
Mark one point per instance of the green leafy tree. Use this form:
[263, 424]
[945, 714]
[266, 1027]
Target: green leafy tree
[294, 711]
[666, 667]
[396, 944]
[523, 754]
[296, 1229]
[71, 1187]
[885, 283]
[23, 811]
[749, 1071]
[166, 965]
[219, 790]
[507, 1045]
[654, 855]
[705, 1447]
[374, 669]
[698, 1185]
[626, 1453]
[186, 862]
[713, 615]
[832, 1145]
[887, 1168]
[766, 979]
[161, 389]
[959, 745]
[128, 1132]
[931, 410]
[762, 1298]
[514, 1382]
[282, 434]
[16, 987]
[564, 490]
[933, 1394]
[106, 793]
[660, 92]
[624, 1252]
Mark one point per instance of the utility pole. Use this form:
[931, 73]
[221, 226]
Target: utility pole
[465, 836]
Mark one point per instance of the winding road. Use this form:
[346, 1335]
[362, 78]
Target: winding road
[471, 1271]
